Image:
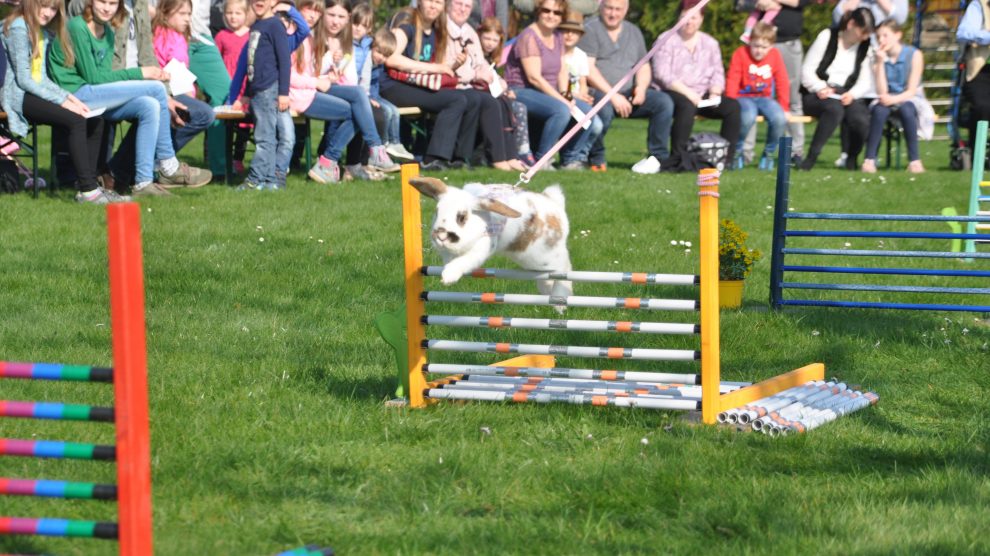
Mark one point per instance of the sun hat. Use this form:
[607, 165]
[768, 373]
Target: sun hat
[574, 21]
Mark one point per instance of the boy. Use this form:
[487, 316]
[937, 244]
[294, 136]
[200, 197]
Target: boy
[268, 67]
[574, 77]
[383, 47]
[754, 72]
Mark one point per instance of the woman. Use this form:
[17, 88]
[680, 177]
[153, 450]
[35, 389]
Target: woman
[420, 47]
[834, 80]
[535, 72]
[473, 79]
[897, 69]
[29, 95]
[688, 67]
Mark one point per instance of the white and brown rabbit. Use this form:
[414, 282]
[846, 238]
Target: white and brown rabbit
[474, 222]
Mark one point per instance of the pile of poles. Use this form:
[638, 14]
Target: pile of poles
[800, 409]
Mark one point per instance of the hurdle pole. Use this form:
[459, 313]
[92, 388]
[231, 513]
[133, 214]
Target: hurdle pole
[130, 379]
[412, 233]
[708, 251]
[976, 178]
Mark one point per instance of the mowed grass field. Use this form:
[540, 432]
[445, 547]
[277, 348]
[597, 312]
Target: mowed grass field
[268, 381]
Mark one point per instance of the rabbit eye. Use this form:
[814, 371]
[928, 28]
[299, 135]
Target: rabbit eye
[462, 218]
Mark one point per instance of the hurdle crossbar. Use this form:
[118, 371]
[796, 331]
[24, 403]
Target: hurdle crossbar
[597, 386]
[133, 530]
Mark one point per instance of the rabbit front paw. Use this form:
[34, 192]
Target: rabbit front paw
[450, 275]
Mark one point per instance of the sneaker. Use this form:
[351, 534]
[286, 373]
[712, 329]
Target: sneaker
[150, 190]
[374, 174]
[114, 196]
[436, 165]
[766, 162]
[358, 172]
[528, 159]
[248, 186]
[186, 176]
[649, 165]
[574, 166]
[379, 159]
[325, 174]
[841, 161]
[603, 167]
[398, 150]
[95, 197]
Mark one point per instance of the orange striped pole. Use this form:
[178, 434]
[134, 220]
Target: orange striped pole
[130, 379]
[708, 251]
[412, 233]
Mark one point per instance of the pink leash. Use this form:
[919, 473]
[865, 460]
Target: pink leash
[528, 175]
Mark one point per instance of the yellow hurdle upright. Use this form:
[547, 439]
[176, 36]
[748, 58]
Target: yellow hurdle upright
[712, 401]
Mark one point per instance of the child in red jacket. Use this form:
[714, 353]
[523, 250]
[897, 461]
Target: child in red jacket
[755, 73]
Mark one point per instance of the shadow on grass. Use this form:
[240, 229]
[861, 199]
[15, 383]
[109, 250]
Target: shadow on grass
[369, 387]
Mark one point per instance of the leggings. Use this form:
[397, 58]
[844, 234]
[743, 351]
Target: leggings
[85, 136]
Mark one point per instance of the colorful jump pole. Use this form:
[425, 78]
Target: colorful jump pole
[708, 180]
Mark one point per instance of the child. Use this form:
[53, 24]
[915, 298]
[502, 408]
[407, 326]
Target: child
[230, 42]
[754, 72]
[492, 38]
[755, 17]
[574, 82]
[383, 47]
[171, 41]
[897, 68]
[334, 43]
[268, 70]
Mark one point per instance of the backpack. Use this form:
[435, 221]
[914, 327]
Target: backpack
[711, 148]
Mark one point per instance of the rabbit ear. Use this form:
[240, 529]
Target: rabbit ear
[498, 207]
[431, 187]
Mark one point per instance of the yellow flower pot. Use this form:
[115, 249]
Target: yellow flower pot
[730, 294]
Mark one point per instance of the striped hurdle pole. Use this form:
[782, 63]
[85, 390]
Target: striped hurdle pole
[129, 414]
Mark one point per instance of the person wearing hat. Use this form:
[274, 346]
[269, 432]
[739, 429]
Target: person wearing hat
[613, 46]
[577, 67]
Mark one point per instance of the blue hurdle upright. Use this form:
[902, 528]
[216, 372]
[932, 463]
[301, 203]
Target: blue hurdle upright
[912, 261]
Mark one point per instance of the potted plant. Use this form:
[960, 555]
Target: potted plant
[735, 261]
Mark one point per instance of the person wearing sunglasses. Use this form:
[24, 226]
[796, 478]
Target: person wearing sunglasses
[535, 72]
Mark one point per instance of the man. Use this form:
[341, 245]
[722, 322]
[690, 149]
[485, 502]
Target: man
[614, 45]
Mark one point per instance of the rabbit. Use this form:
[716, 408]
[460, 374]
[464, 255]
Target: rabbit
[474, 222]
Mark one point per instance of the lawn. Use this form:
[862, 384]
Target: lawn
[268, 381]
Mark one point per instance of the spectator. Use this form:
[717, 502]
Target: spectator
[897, 69]
[534, 71]
[499, 9]
[614, 45]
[492, 37]
[577, 67]
[974, 33]
[835, 83]
[688, 67]
[882, 10]
[755, 72]
[381, 48]
[230, 42]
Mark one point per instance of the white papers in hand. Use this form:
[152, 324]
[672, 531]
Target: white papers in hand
[710, 101]
[94, 112]
[577, 114]
[181, 79]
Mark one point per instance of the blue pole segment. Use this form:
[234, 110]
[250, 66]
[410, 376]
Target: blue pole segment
[885, 217]
[907, 306]
[885, 235]
[878, 253]
[897, 271]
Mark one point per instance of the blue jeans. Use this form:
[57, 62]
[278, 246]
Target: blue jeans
[333, 109]
[361, 111]
[144, 101]
[274, 135]
[200, 114]
[907, 114]
[749, 107]
[658, 107]
[555, 117]
[579, 146]
[392, 120]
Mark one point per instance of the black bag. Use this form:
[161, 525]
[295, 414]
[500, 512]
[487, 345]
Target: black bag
[712, 148]
[10, 181]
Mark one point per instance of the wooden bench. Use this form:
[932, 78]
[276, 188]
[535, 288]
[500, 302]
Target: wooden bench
[232, 118]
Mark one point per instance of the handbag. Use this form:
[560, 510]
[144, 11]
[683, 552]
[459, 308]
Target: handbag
[431, 81]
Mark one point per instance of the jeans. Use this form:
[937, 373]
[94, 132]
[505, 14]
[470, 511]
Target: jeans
[274, 135]
[907, 114]
[392, 120]
[361, 112]
[200, 117]
[771, 111]
[144, 101]
[579, 146]
[332, 109]
[657, 107]
[555, 116]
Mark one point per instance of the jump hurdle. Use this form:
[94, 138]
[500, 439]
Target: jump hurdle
[130, 412]
[534, 377]
[780, 249]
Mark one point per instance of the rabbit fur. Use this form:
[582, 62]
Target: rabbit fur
[481, 219]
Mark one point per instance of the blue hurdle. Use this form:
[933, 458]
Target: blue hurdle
[821, 272]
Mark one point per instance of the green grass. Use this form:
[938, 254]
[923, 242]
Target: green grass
[267, 383]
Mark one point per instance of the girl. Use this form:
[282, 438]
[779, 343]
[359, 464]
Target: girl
[333, 48]
[420, 47]
[897, 69]
[80, 63]
[230, 42]
[492, 37]
[28, 93]
[171, 40]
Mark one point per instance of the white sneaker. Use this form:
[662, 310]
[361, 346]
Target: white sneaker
[649, 165]
[841, 161]
[397, 150]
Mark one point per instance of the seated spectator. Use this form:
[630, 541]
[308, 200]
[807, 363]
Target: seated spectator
[974, 34]
[688, 67]
[533, 72]
[420, 48]
[897, 70]
[835, 82]
[755, 72]
[577, 66]
[492, 37]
